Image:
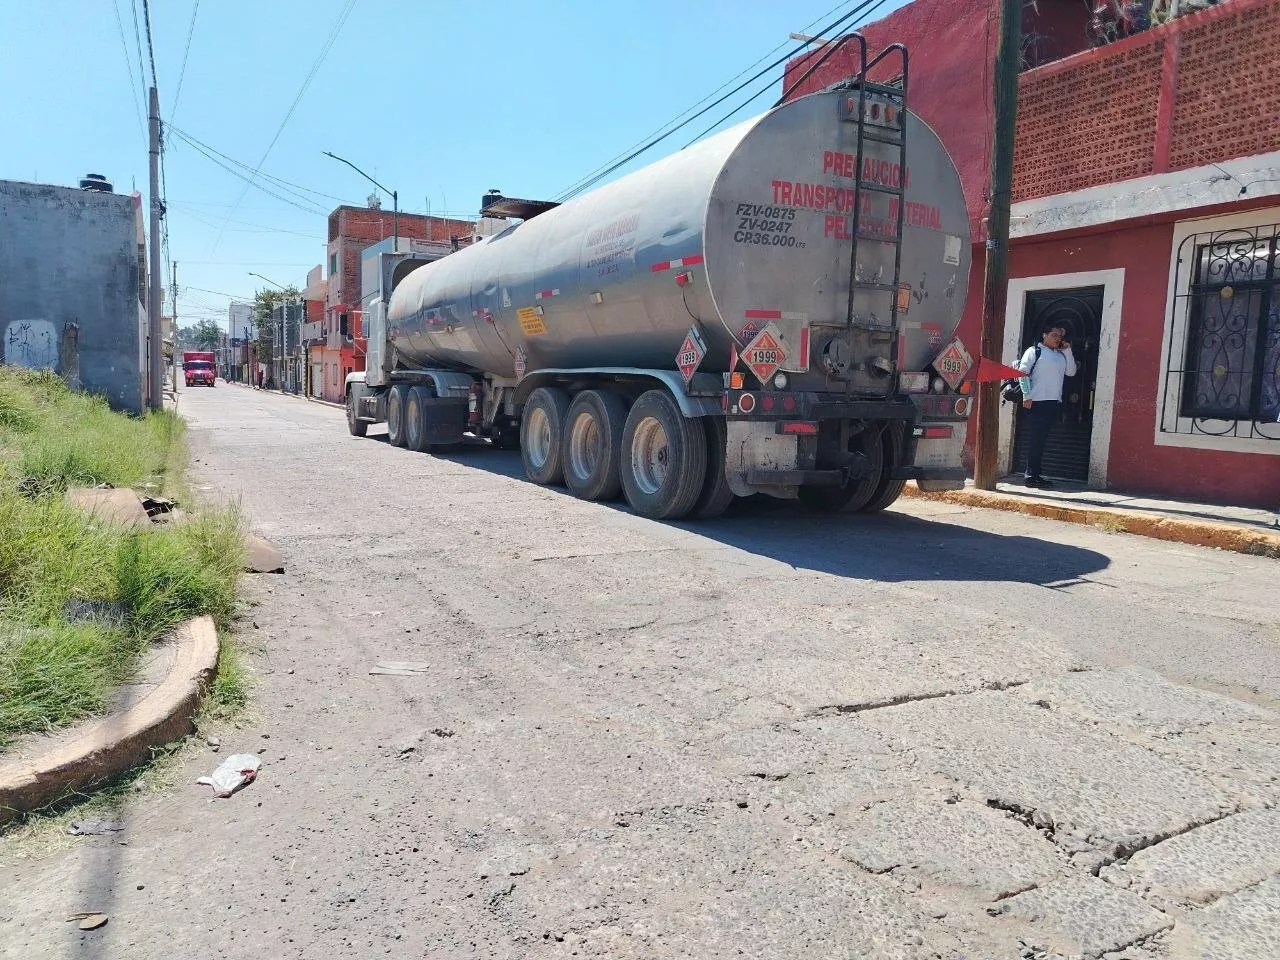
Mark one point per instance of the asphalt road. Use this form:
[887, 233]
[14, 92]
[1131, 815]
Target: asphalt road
[937, 732]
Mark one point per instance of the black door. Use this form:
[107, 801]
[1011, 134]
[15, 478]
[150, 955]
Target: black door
[1066, 456]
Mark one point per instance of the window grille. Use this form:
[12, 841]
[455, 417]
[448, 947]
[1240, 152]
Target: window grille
[1223, 367]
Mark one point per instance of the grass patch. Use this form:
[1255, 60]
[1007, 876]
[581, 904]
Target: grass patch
[79, 598]
[229, 694]
[57, 438]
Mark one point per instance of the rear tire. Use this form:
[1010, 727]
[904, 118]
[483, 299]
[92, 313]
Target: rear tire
[356, 426]
[591, 446]
[541, 432]
[858, 493]
[395, 414]
[716, 496]
[894, 442]
[664, 458]
[415, 420]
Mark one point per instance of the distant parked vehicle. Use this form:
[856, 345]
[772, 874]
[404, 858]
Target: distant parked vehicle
[199, 367]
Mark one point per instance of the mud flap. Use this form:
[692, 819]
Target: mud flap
[757, 446]
[444, 419]
[938, 463]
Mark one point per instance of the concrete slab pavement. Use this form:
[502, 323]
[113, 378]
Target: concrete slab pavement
[779, 735]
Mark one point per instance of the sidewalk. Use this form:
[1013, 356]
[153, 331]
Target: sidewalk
[1240, 529]
[286, 393]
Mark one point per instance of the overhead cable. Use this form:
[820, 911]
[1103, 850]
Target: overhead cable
[151, 52]
[128, 62]
[277, 181]
[569, 191]
[182, 72]
[711, 106]
[870, 7]
[306, 83]
[314, 208]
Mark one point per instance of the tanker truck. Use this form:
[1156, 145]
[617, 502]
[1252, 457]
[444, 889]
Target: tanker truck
[768, 311]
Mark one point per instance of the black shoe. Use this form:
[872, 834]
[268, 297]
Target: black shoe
[1038, 482]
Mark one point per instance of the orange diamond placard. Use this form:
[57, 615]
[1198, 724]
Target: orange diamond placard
[764, 355]
[691, 353]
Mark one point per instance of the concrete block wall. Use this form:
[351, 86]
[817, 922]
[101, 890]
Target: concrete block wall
[1201, 89]
[69, 288]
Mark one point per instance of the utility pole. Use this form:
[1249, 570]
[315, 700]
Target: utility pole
[996, 281]
[153, 294]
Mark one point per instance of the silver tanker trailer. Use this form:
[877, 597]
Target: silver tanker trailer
[768, 311]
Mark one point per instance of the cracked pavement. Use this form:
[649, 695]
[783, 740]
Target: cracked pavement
[935, 733]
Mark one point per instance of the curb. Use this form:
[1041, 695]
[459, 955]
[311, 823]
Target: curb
[104, 748]
[1199, 533]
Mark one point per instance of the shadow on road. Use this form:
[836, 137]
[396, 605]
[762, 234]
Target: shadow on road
[878, 546]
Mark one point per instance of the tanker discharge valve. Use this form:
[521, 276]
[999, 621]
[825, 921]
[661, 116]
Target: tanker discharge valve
[836, 357]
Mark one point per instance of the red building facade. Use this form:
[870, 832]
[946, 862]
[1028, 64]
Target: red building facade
[1146, 217]
[351, 230]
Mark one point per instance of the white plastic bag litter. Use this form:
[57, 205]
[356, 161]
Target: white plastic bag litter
[233, 773]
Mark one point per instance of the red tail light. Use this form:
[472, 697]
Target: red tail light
[801, 427]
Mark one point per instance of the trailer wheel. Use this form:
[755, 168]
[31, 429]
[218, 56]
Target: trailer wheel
[858, 493]
[664, 458]
[356, 426]
[716, 495]
[415, 420]
[591, 448]
[541, 430]
[395, 414]
[889, 490]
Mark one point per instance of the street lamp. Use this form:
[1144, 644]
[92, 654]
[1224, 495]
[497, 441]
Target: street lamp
[395, 199]
[261, 277]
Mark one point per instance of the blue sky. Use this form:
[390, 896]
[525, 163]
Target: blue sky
[440, 101]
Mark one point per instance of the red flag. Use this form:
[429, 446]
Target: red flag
[989, 370]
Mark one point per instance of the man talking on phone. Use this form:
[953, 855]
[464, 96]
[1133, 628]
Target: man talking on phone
[1044, 367]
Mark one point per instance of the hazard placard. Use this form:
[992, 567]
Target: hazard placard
[531, 321]
[765, 354]
[953, 363]
[521, 363]
[691, 353]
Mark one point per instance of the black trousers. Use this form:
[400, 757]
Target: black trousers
[1038, 421]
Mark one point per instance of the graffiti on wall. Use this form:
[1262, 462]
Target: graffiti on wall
[31, 343]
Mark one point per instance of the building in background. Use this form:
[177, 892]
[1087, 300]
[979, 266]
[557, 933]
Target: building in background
[287, 370]
[1146, 218]
[73, 286]
[351, 231]
[313, 338]
[240, 334]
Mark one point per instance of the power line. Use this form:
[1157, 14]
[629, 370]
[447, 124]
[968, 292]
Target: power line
[128, 63]
[220, 293]
[191, 27]
[314, 209]
[306, 83]
[570, 190]
[277, 181]
[711, 106]
[873, 6]
[151, 53]
[261, 227]
[137, 36]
